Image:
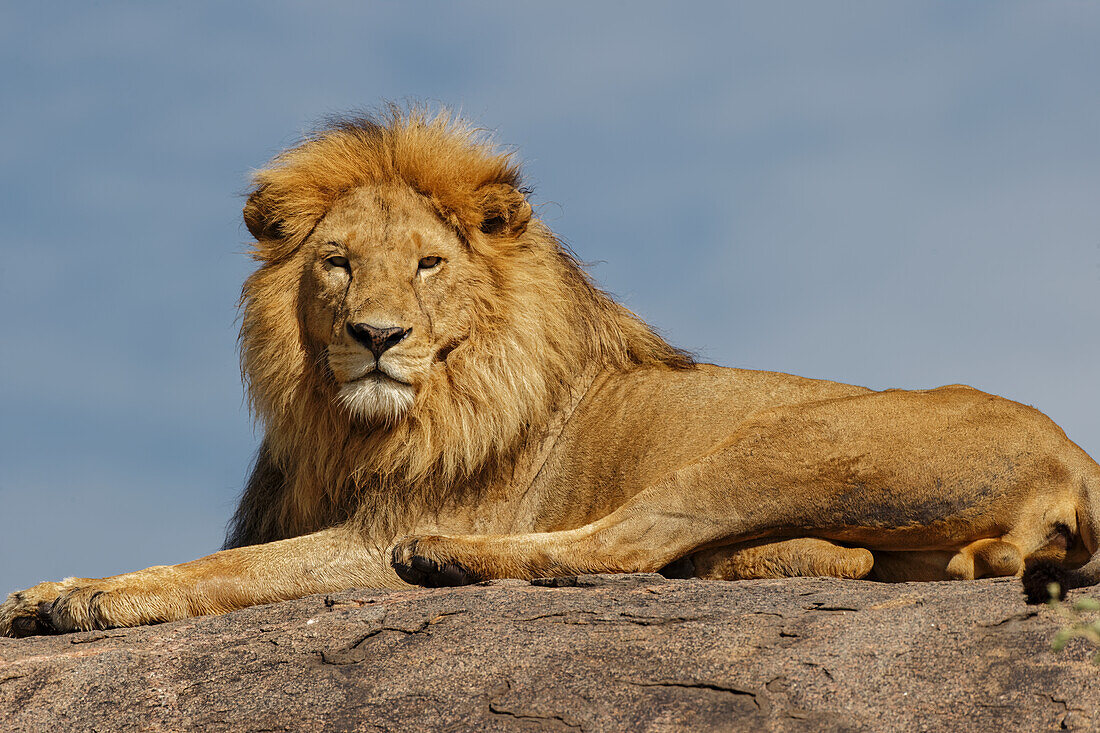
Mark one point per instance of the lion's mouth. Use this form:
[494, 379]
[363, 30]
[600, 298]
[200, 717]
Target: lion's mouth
[377, 396]
[376, 374]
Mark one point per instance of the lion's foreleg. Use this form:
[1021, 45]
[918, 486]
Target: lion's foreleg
[331, 560]
[661, 524]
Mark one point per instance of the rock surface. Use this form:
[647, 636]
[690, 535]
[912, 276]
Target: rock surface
[628, 652]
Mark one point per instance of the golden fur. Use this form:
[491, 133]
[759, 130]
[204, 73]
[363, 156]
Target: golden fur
[541, 317]
[447, 397]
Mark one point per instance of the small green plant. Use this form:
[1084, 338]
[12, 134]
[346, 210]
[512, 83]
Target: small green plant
[1080, 624]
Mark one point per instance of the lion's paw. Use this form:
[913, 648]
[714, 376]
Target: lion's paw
[78, 604]
[420, 561]
[82, 607]
[22, 614]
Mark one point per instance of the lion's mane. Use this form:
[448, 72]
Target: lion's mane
[539, 324]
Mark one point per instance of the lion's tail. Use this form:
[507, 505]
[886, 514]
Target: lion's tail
[1038, 576]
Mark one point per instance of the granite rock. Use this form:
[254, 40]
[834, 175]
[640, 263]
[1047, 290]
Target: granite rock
[598, 653]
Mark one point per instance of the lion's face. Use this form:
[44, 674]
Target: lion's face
[385, 297]
[410, 321]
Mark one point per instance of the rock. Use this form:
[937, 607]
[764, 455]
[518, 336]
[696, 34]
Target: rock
[600, 653]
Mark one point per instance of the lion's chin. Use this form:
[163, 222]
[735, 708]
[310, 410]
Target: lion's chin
[377, 398]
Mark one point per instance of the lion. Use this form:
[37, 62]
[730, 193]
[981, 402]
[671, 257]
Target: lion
[448, 398]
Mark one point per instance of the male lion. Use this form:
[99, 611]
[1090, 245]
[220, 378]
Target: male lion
[448, 398]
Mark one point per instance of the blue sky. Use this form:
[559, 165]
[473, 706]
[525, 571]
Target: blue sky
[890, 194]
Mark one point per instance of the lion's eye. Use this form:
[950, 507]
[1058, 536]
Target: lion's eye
[427, 263]
[338, 261]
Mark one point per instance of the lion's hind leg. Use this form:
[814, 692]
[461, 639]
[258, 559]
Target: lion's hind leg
[988, 558]
[802, 556]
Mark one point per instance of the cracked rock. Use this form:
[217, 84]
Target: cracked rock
[592, 653]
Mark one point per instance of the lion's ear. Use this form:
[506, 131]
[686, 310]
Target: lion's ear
[259, 217]
[504, 210]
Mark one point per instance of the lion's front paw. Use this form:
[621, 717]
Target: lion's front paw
[423, 561]
[74, 604]
[22, 614]
[83, 604]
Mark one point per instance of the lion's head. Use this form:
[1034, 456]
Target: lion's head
[410, 319]
[388, 294]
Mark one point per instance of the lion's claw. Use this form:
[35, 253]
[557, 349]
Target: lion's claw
[417, 569]
[36, 625]
[50, 615]
[45, 623]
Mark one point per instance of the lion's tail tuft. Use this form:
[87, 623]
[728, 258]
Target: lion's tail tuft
[1039, 577]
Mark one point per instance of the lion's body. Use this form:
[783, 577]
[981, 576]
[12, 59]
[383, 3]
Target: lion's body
[447, 397]
[917, 478]
[624, 430]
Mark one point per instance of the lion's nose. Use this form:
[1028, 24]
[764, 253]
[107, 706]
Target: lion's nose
[378, 340]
